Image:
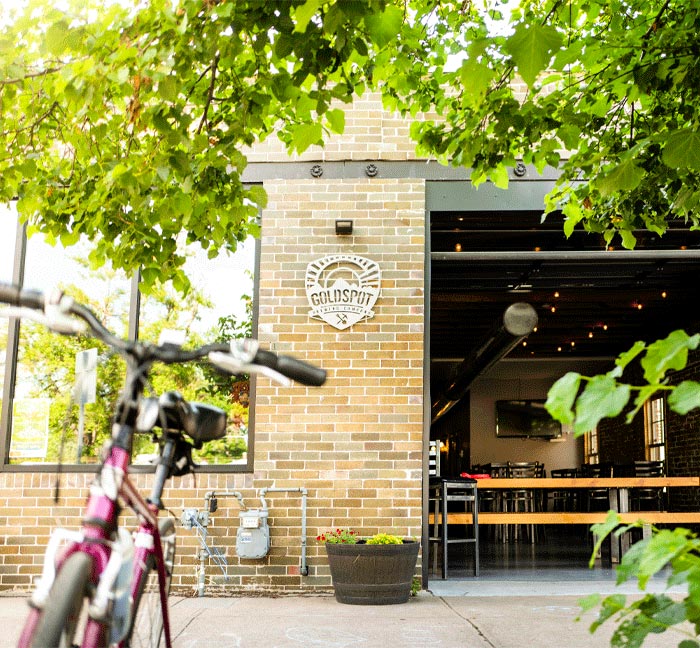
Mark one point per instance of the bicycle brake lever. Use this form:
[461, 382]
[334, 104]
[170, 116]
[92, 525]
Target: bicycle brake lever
[57, 313]
[228, 363]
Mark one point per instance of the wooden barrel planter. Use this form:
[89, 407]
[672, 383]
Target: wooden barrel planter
[372, 574]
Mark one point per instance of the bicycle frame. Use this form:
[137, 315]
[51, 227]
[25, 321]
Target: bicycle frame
[100, 538]
[102, 512]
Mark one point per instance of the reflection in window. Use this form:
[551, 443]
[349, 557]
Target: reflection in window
[217, 309]
[51, 423]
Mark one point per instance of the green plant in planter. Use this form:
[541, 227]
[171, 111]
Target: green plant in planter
[350, 536]
[338, 536]
[384, 539]
[676, 549]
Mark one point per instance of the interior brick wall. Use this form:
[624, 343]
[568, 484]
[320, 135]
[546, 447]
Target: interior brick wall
[622, 443]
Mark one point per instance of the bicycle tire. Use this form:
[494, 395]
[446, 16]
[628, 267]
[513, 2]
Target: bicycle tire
[66, 607]
[147, 625]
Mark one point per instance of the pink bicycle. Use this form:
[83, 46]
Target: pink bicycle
[102, 585]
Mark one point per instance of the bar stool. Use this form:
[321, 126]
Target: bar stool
[442, 492]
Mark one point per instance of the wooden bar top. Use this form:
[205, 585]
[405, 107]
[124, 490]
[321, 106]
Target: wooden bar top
[587, 482]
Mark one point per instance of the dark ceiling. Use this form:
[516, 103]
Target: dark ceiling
[590, 301]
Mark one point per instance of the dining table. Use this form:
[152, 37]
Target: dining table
[618, 499]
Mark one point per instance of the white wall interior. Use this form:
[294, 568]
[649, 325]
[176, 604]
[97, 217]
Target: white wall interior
[521, 380]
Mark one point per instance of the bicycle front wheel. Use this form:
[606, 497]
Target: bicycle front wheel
[147, 626]
[65, 612]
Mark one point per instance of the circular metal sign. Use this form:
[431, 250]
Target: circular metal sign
[342, 289]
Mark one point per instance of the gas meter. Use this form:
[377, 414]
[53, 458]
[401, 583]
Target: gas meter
[253, 536]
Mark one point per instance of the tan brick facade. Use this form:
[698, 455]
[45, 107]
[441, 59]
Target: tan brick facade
[354, 444]
[371, 133]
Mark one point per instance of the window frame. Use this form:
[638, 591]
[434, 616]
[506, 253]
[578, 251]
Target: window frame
[10, 377]
[591, 447]
[653, 420]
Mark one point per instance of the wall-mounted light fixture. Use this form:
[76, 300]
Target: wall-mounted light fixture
[343, 227]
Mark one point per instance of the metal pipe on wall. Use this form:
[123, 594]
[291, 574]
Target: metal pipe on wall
[303, 568]
[208, 497]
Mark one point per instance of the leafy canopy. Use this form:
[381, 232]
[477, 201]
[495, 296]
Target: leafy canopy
[605, 91]
[128, 122]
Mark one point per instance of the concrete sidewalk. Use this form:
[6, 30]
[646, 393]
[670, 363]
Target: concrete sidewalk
[426, 621]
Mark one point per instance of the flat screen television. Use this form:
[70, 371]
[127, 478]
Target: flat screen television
[525, 419]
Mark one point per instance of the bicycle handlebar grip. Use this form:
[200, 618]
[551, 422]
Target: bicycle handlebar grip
[14, 295]
[298, 370]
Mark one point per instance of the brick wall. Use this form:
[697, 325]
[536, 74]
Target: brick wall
[371, 133]
[623, 443]
[354, 444]
[683, 442]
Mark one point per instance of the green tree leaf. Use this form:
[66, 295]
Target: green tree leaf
[602, 397]
[561, 397]
[476, 79]
[57, 37]
[304, 135]
[168, 88]
[532, 47]
[384, 27]
[304, 13]
[682, 149]
[623, 360]
[671, 353]
[685, 397]
[625, 176]
[336, 118]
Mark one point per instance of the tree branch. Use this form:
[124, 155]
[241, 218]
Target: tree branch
[210, 93]
[32, 75]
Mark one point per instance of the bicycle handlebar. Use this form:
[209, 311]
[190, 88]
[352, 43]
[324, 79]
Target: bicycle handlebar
[240, 356]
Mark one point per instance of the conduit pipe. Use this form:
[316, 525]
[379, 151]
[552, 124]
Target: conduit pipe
[518, 321]
[208, 497]
[303, 569]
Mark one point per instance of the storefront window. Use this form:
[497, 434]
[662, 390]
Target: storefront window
[590, 445]
[50, 421]
[8, 236]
